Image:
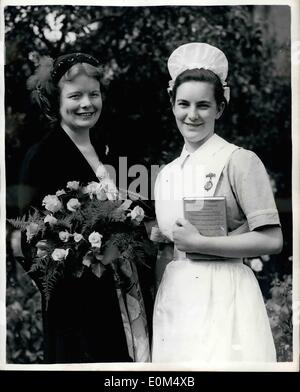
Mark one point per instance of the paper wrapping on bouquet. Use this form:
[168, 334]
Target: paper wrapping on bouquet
[132, 309]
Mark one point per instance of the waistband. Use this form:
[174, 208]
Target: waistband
[179, 255]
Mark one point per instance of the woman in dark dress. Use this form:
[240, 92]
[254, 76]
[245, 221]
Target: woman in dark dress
[83, 321]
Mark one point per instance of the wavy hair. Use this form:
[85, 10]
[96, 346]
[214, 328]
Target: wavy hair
[199, 75]
[46, 82]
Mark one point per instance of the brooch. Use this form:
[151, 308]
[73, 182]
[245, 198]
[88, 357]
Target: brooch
[209, 183]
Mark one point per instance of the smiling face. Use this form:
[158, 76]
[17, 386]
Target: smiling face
[195, 110]
[80, 103]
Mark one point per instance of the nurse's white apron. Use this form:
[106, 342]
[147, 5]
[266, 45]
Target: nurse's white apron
[205, 311]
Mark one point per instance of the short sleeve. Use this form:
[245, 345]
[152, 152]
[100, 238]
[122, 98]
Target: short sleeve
[252, 189]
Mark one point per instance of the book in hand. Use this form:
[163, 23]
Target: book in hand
[208, 214]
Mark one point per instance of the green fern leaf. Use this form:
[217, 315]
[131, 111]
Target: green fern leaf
[39, 264]
[19, 223]
[51, 275]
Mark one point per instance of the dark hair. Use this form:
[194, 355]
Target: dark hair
[199, 75]
[47, 99]
[47, 80]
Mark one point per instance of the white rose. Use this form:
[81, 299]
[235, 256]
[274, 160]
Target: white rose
[60, 192]
[50, 219]
[64, 236]
[101, 172]
[92, 188]
[111, 190]
[73, 204]
[77, 237]
[73, 185]
[95, 239]
[31, 230]
[256, 265]
[59, 254]
[52, 203]
[137, 214]
[101, 194]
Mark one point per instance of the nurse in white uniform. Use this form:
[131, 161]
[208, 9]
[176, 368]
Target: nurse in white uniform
[211, 310]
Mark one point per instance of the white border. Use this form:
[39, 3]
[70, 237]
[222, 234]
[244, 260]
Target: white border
[2, 200]
[143, 3]
[295, 65]
[277, 367]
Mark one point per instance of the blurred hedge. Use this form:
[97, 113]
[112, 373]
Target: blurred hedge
[24, 342]
[134, 43]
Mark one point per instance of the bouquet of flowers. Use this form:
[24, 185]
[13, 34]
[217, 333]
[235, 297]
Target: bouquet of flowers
[83, 227]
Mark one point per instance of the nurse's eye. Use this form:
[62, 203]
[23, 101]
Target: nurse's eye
[74, 96]
[183, 104]
[203, 104]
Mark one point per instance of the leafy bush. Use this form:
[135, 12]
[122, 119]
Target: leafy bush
[134, 43]
[277, 292]
[24, 324]
[24, 342]
[279, 308]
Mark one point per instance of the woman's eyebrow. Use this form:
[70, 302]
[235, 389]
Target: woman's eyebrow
[79, 91]
[73, 92]
[186, 100]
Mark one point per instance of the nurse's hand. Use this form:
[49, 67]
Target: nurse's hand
[185, 235]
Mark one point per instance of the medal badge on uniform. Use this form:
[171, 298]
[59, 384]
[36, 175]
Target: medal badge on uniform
[209, 184]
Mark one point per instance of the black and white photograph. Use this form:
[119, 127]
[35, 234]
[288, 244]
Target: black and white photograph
[149, 186]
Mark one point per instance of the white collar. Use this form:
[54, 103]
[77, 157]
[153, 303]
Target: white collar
[214, 139]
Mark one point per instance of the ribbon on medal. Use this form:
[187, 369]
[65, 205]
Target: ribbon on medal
[209, 184]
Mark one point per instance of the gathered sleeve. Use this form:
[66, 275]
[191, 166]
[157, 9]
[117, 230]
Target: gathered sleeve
[252, 189]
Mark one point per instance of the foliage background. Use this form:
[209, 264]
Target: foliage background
[134, 43]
